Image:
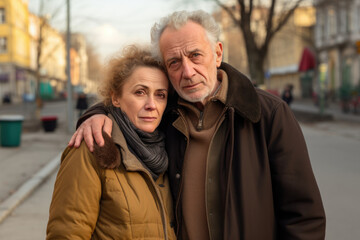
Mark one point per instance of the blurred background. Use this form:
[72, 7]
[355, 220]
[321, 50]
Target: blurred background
[312, 46]
[51, 57]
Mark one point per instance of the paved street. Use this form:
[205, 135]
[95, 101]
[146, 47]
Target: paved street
[334, 151]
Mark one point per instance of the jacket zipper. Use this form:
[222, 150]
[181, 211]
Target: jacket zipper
[162, 211]
[199, 126]
[180, 187]
[206, 174]
[163, 217]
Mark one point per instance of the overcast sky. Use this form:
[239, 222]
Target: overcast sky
[109, 24]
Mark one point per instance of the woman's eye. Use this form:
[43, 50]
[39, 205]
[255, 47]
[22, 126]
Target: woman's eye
[161, 95]
[140, 92]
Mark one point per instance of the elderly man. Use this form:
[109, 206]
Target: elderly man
[239, 166]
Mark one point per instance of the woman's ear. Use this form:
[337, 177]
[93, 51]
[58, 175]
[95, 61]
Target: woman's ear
[115, 100]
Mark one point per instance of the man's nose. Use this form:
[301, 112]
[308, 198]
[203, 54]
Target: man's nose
[188, 69]
[150, 104]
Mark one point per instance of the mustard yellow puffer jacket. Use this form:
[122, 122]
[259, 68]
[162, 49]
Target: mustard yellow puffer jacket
[90, 202]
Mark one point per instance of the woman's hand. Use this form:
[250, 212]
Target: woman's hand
[92, 129]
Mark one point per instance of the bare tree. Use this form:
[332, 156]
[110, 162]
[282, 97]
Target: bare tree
[275, 17]
[44, 15]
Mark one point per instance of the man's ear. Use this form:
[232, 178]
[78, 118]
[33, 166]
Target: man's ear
[218, 53]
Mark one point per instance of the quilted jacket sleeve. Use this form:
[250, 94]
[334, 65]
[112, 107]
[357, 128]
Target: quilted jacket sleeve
[75, 202]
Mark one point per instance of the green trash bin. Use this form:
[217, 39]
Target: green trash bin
[10, 130]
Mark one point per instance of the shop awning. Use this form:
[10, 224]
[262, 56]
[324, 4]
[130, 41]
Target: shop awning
[307, 61]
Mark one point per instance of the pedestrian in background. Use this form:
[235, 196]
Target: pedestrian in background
[82, 103]
[238, 162]
[133, 200]
[287, 95]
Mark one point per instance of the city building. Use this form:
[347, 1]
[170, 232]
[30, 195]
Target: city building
[74, 67]
[285, 50]
[48, 58]
[14, 49]
[337, 40]
[78, 43]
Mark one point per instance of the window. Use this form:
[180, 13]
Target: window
[358, 17]
[332, 22]
[349, 20]
[2, 15]
[343, 20]
[3, 44]
[320, 31]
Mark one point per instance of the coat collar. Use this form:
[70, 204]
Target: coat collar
[241, 94]
[109, 155]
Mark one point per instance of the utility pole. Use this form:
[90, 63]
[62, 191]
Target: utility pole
[70, 117]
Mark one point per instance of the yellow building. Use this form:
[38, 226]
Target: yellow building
[52, 61]
[286, 49]
[14, 48]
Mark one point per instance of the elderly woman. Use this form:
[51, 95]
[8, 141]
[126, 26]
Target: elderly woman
[132, 200]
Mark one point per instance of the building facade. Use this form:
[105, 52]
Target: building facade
[85, 83]
[48, 58]
[337, 39]
[285, 49]
[14, 49]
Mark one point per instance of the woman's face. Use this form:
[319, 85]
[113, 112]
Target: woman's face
[144, 97]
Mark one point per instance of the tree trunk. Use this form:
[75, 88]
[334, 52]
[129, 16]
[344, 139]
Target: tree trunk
[256, 66]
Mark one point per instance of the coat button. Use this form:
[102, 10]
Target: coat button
[172, 224]
[177, 176]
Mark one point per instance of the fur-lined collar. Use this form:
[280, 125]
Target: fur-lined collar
[242, 95]
[115, 151]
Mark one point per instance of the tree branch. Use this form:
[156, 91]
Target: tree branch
[228, 10]
[286, 16]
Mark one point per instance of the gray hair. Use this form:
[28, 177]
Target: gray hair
[178, 19]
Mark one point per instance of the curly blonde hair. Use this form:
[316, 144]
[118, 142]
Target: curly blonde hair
[120, 67]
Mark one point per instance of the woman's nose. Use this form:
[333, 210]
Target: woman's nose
[150, 104]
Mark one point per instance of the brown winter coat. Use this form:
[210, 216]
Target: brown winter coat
[267, 187]
[90, 202]
[268, 190]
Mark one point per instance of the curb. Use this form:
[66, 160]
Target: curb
[9, 205]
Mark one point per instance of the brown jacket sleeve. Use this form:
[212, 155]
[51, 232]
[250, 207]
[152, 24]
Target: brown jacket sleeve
[75, 202]
[296, 195]
[98, 108]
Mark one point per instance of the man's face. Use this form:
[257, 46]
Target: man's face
[191, 61]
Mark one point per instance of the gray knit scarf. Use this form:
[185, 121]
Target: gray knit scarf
[149, 148]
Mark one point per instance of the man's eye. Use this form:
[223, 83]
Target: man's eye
[173, 62]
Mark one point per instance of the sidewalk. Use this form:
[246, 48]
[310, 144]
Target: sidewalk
[331, 112]
[24, 168]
